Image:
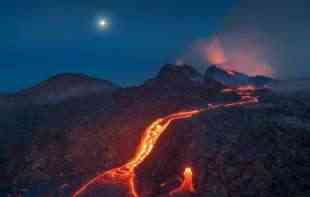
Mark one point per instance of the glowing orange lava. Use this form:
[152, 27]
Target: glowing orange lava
[246, 93]
[187, 184]
[125, 174]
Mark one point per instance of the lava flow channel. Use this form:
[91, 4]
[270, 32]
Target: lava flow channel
[125, 174]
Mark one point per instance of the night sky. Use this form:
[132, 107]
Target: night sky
[40, 38]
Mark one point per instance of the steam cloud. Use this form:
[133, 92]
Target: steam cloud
[260, 38]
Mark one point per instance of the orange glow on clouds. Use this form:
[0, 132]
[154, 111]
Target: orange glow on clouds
[214, 52]
[244, 57]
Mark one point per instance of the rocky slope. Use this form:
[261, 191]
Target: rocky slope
[233, 78]
[256, 150]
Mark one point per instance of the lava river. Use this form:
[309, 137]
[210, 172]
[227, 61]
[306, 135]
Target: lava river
[125, 174]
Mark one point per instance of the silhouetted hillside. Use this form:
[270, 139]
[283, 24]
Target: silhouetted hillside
[74, 127]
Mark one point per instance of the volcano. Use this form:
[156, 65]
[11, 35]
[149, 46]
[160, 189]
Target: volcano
[234, 78]
[180, 133]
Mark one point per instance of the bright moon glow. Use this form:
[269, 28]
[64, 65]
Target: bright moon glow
[102, 23]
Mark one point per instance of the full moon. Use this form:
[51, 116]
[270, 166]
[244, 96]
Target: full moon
[102, 23]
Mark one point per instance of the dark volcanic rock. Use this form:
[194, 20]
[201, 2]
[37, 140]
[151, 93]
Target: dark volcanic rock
[258, 150]
[243, 151]
[233, 78]
[182, 76]
[108, 190]
[64, 86]
[172, 73]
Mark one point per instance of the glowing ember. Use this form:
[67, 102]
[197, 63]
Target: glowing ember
[187, 184]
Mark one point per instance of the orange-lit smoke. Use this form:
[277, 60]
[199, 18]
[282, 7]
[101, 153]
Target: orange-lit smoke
[244, 57]
[214, 52]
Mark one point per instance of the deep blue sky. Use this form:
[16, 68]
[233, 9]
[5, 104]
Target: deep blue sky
[40, 38]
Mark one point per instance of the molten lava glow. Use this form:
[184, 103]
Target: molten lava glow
[187, 184]
[125, 174]
[241, 58]
[215, 52]
[245, 92]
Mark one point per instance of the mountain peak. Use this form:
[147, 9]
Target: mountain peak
[73, 79]
[172, 72]
[75, 76]
[66, 85]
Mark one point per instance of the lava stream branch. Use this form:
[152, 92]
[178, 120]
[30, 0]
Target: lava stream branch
[125, 174]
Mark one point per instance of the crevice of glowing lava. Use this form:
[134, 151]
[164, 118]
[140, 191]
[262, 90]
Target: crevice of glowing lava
[187, 184]
[125, 174]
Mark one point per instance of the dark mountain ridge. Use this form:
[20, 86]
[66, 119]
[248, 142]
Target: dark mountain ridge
[234, 78]
[60, 88]
[251, 150]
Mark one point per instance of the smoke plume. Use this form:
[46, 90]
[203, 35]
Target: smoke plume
[260, 38]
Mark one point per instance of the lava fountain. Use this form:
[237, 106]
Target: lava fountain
[187, 184]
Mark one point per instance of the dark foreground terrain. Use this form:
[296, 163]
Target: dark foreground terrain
[61, 133]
